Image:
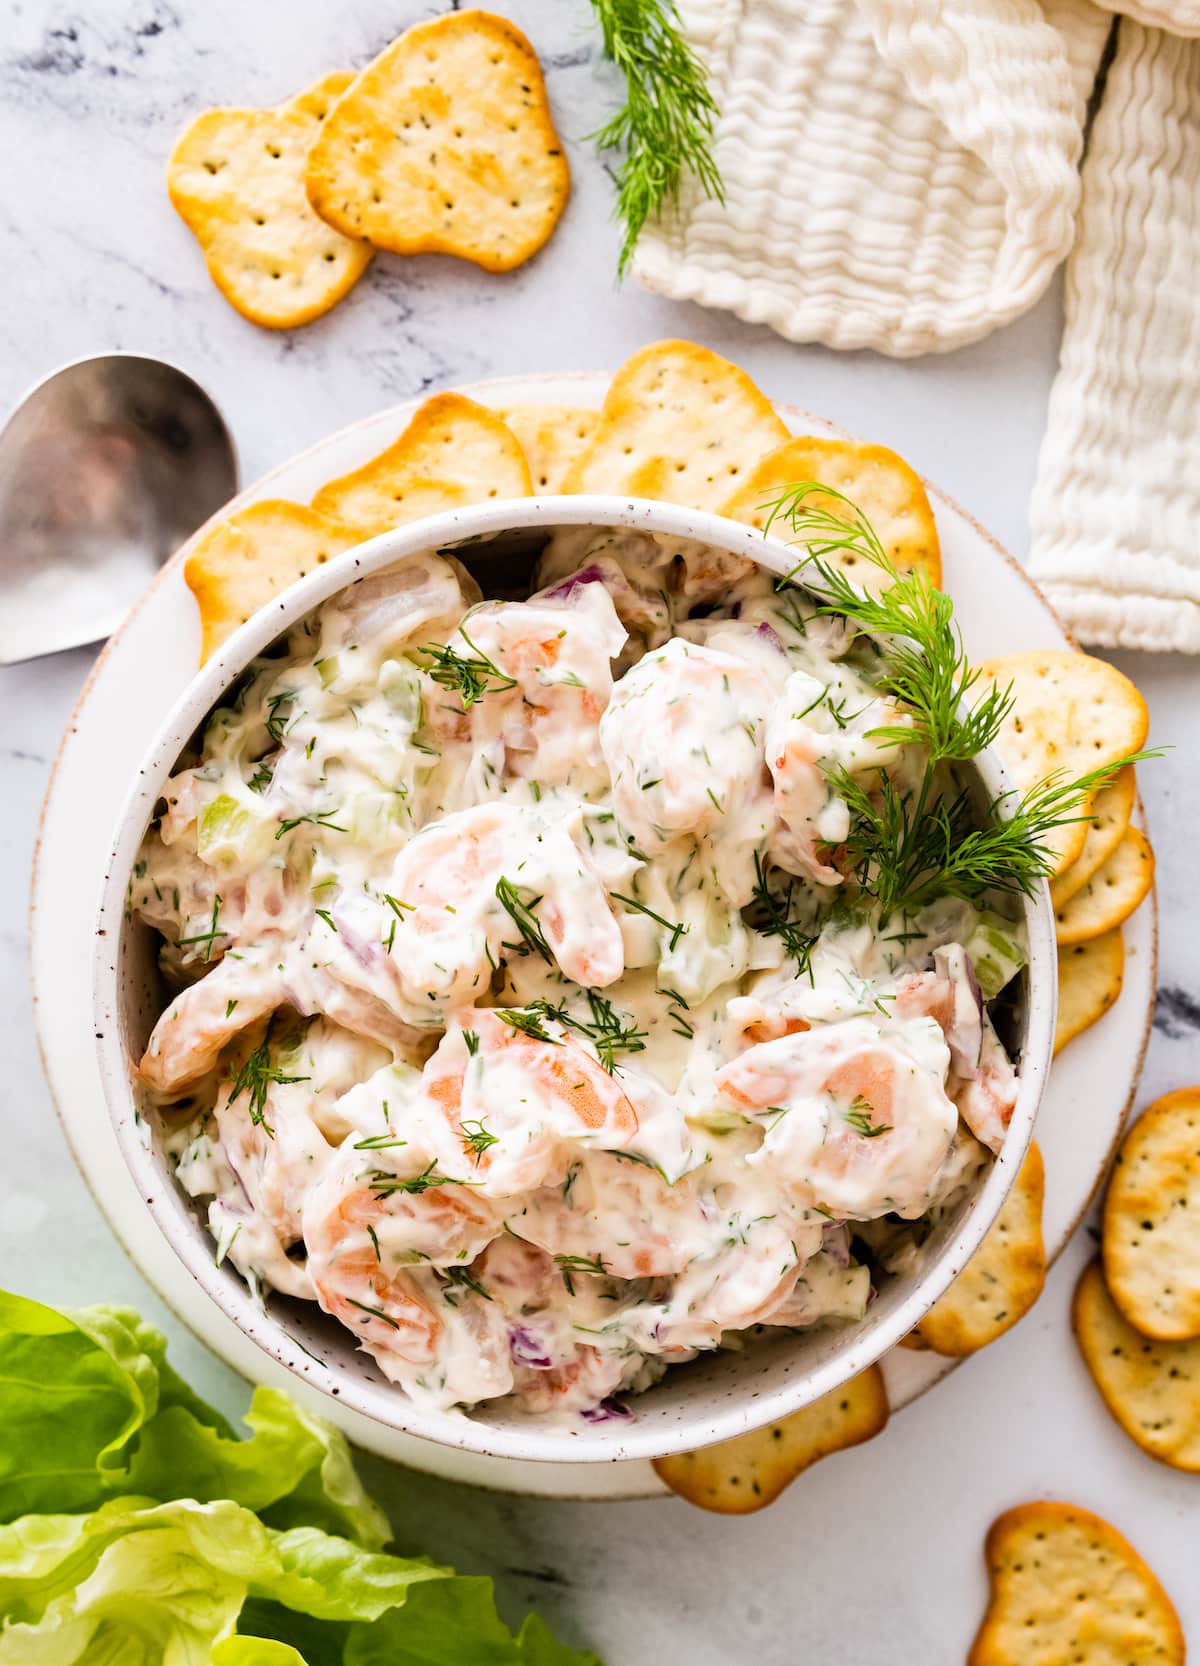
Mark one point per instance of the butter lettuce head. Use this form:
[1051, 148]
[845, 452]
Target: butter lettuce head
[139, 1529]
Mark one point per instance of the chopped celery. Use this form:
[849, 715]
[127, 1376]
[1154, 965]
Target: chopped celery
[996, 952]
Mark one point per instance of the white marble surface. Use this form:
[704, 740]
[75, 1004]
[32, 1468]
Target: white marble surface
[872, 1547]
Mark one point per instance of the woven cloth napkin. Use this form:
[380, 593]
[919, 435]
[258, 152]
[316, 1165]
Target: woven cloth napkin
[904, 175]
[1116, 509]
[899, 174]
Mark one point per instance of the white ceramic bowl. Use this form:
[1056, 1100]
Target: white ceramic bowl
[719, 1395]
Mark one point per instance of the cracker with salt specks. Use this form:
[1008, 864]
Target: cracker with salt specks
[552, 437]
[1090, 976]
[739, 1476]
[680, 424]
[453, 453]
[445, 145]
[1151, 1388]
[1151, 1235]
[1066, 1588]
[880, 484]
[1118, 886]
[1071, 713]
[1002, 1280]
[236, 177]
[242, 562]
[1111, 814]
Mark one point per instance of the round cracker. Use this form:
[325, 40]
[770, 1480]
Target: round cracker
[1072, 713]
[1110, 896]
[236, 179]
[1066, 1587]
[879, 483]
[453, 452]
[1090, 976]
[1001, 1281]
[681, 424]
[552, 437]
[1151, 1227]
[1110, 817]
[736, 1477]
[445, 145]
[1151, 1388]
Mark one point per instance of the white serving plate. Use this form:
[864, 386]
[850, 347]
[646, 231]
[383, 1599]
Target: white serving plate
[143, 670]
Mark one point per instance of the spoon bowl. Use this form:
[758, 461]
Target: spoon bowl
[106, 467]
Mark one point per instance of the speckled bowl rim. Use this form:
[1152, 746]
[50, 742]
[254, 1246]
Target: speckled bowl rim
[174, 1215]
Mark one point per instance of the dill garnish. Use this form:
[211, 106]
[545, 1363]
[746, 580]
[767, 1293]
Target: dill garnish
[859, 1118]
[466, 1280]
[386, 1185]
[477, 1138]
[320, 818]
[665, 127]
[522, 916]
[209, 937]
[907, 847]
[774, 919]
[675, 927]
[528, 1022]
[254, 1077]
[609, 1031]
[471, 676]
[569, 1264]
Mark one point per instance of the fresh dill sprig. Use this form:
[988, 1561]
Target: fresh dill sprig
[528, 1021]
[278, 717]
[209, 937]
[925, 665]
[569, 1264]
[773, 918]
[675, 927]
[477, 1138]
[859, 1118]
[254, 1077]
[463, 1278]
[387, 1185]
[609, 1031]
[522, 916]
[320, 818]
[906, 849]
[471, 676]
[665, 127]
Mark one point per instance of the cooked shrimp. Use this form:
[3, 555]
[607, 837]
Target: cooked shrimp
[487, 883]
[364, 1242]
[205, 1017]
[550, 678]
[983, 1082]
[620, 1216]
[859, 1121]
[520, 1108]
[809, 733]
[683, 740]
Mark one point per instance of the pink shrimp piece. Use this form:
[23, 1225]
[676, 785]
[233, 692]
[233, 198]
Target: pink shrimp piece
[204, 1018]
[535, 1100]
[859, 1123]
[619, 1215]
[683, 741]
[983, 1082]
[802, 802]
[460, 882]
[364, 1243]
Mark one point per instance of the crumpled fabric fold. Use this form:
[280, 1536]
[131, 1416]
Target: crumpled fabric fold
[1116, 509]
[899, 174]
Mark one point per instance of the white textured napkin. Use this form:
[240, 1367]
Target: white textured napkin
[899, 174]
[1116, 512]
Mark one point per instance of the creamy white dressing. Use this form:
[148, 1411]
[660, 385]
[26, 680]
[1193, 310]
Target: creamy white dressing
[484, 1040]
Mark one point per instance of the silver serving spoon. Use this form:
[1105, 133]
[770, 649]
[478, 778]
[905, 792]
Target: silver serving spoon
[105, 468]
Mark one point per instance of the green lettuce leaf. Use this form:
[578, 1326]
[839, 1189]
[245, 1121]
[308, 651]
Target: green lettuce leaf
[90, 1409]
[146, 1533]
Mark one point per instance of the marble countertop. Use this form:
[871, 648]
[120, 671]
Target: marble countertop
[880, 1543]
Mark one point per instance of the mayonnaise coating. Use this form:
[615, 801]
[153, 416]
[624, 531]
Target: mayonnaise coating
[484, 1035]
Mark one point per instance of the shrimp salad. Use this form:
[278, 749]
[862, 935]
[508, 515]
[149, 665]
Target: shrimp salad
[526, 1015]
